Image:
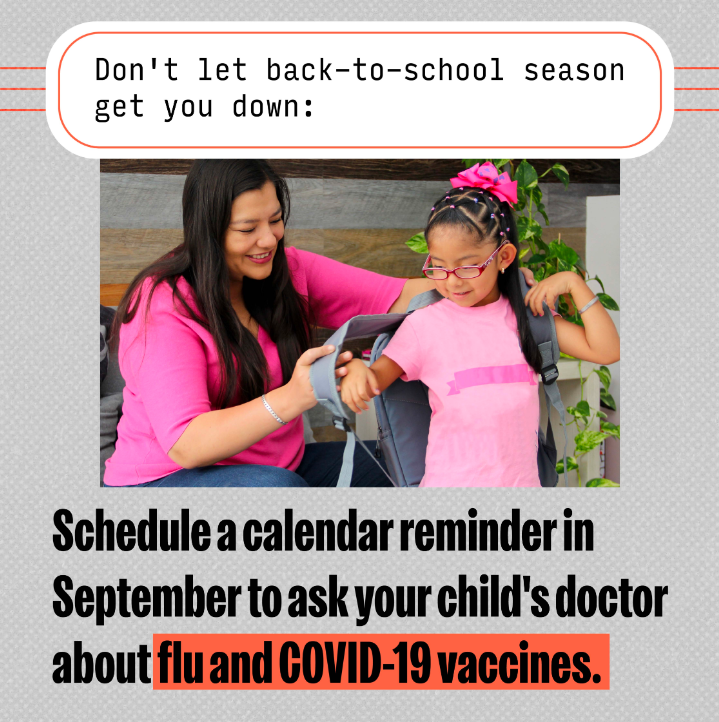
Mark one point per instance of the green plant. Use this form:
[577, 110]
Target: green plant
[583, 416]
[544, 260]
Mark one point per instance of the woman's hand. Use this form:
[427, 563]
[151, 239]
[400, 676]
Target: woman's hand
[528, 276]
[359, 386]
[341, 365]
[299, 390]
[549, 290]
[217, 435]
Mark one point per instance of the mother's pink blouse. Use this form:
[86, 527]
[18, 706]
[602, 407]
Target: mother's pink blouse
[171, 368]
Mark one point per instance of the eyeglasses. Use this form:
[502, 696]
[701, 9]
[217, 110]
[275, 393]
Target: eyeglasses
[464, 272]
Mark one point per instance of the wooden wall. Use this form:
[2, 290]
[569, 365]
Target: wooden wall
[581, 171]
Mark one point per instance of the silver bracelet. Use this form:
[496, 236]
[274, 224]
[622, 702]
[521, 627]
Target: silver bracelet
[589, 305]
[274, 415]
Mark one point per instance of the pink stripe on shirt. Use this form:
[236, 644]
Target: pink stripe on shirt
[515, 374]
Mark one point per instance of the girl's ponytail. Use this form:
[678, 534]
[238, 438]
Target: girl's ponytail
[509, 286]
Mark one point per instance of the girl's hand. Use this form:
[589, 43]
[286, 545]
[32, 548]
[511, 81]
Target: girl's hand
[359, 386]
[549, 290]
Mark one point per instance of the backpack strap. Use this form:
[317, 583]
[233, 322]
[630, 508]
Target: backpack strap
[324, 383]
[348, 457]
[322, 371]
[545, 335]
[426, 298]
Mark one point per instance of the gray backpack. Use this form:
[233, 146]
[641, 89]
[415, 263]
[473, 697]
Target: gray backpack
[403, 411]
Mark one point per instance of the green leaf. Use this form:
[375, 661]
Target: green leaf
[587, 440]
[572, 465]
[600, 414]
[536, 229]
[608, 302]
[580, 411]
[610, 429]
[537, 258]
[599, 281]
[417, 243]
[559, 249]
[543, 211]
[563, 308]
[500, 162]
[607, 399]
[536, 195]
[561, 172]
[583, 408]
[522, 225]
[521, 200]
[526, 175]
[523, 253]
[602, 482]
[528, 229]
[605, 376]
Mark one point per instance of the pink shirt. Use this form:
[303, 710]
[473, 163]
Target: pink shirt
[483, 393]
[172, 370]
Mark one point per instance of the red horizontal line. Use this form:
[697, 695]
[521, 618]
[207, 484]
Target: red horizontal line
[696, 110]
[674, 88]
[22, 88]
[695, 67]
[18, 110]
[34, 67]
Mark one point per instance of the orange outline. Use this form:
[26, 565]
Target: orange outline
[355, 32]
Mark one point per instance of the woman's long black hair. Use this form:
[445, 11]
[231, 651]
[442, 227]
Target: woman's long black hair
[210, 189]
[490, 221]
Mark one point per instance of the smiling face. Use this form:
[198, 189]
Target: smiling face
[453, 246]
[255, 229]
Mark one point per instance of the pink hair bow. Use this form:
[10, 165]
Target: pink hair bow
[487, 176]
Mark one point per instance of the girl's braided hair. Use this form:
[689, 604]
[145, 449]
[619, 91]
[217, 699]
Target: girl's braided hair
[489, 220]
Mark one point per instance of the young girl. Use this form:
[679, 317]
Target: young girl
[474, 349]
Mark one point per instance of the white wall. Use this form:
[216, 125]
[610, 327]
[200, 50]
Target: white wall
[603, 261]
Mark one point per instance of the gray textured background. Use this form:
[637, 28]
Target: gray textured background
[658, 529]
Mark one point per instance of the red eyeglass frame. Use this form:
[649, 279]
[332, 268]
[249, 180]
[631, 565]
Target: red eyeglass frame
[481, 268]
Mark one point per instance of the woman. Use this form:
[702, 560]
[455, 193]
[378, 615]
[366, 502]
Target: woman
[215, 343]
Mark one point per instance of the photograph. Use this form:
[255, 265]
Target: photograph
[373, 323]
